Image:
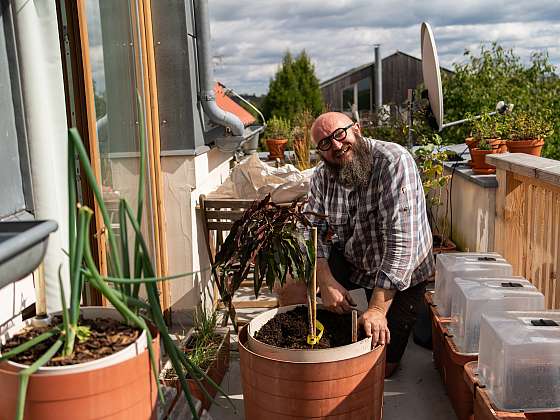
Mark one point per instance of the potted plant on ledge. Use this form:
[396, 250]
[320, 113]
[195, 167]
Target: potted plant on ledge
[478, 156]
[277, 134]
[526, 132]
[489, 129]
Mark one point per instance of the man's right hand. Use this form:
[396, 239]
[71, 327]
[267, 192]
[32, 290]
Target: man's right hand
[334, 296]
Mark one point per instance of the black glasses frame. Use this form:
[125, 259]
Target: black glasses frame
[339, 135]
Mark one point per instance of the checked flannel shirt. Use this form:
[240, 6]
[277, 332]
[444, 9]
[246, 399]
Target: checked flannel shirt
[383, 228]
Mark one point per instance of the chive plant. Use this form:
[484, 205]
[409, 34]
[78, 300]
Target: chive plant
[121, 288]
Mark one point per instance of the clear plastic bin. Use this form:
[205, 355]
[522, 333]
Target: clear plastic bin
[465, 264]
[519, 360]
[475, 298]
[453, 290]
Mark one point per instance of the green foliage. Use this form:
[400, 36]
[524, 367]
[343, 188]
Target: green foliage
[278, 128]
[484, 145]
[269, 238]
[526, 126]
[487, 126]
[293, 89]
[497, 74]
[430, 156]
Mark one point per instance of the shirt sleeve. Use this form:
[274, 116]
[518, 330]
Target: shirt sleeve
[316, 204]
[399, 185]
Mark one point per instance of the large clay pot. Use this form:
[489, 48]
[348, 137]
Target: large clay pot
[120, 386]
[531, 147]
[345, 387]
[479, 165]
[276, 148]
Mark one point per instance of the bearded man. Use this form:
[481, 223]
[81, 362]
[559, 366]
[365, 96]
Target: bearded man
[376, 234]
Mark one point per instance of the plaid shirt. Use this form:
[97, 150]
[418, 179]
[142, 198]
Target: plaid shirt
[383, 228]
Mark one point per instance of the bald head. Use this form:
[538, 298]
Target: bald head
[326, 123]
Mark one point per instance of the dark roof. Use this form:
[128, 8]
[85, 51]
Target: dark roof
[372, 63]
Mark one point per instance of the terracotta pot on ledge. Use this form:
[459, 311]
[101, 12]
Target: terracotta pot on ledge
[531, 147]
[276, 148]
[499, 144]
[479, 165]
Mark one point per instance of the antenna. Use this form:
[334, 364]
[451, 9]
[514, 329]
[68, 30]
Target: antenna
[432, 81]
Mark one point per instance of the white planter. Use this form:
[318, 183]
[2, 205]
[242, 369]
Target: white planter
[136, 348]
[300, 355]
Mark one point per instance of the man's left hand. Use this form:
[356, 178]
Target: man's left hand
[375, 326]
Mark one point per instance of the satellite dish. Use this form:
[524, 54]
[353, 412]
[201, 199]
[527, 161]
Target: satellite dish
[432, 81]
[431, 73]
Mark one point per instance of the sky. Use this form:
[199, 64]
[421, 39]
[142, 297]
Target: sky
[249, 38]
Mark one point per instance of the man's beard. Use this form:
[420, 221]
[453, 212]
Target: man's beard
[356, 172]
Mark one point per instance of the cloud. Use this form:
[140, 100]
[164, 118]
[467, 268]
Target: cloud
[251, 37]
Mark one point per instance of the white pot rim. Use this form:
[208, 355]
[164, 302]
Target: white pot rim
[301, 355]
[133, 350]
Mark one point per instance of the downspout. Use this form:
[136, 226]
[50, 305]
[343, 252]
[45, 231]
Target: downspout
[206, 75]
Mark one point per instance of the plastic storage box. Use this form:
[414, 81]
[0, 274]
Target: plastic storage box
[453, 290]
[465, 264]
[475, 298]
[519, 360]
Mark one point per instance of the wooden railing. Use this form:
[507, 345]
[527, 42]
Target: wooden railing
[527, 231]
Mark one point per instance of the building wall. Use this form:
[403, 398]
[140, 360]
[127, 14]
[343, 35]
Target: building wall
[473, 212]
[185, 179]
[400, 73]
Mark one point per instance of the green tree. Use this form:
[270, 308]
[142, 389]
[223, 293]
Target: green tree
[293, 89]
[497, 74]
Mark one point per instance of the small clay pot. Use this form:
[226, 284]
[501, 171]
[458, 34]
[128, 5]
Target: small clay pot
[276, 148]
[479, 165]
[530, 147]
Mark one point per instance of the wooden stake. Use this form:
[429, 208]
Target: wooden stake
[40, 290]
[354, 326]
[314, 282]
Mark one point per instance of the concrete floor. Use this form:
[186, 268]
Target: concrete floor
[414, 392]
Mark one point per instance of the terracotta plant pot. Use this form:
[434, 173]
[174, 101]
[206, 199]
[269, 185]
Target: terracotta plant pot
[443, 245]
[499, 144]
[276, 148]
[531, 147]
[453, 372]
[216, 371]
[479, 165]
[120, 386]
[277, 389]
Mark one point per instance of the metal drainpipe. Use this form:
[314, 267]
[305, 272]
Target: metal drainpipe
[206, 74]
[378, 78]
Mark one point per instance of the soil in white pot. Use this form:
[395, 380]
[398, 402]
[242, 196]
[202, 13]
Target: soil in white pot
[290, 329]
[107, 336]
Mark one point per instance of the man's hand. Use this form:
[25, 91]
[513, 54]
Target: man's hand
[375, 326]
[335, 297]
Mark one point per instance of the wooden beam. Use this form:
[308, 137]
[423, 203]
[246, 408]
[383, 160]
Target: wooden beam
[80, 112]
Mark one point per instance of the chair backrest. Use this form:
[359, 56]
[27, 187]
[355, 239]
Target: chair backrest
[218, 216]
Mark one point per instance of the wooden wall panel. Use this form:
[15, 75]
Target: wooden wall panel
[528, 232]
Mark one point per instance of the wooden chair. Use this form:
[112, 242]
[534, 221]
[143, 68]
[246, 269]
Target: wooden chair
[218, 216]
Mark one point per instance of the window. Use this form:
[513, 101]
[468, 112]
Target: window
[364, 95]
[348, 98]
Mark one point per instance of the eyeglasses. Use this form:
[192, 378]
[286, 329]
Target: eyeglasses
[339, 135]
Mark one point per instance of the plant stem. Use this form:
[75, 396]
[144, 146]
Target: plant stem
[26, 373]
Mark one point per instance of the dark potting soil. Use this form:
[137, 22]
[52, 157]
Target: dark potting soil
[290, 329]
[107, 336]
